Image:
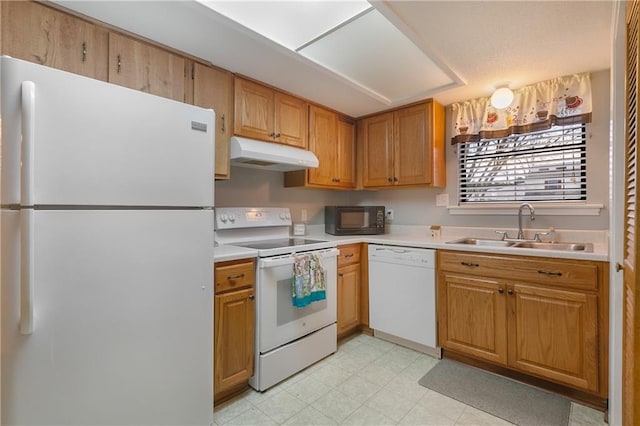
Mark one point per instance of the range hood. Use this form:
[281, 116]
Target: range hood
[270, 156]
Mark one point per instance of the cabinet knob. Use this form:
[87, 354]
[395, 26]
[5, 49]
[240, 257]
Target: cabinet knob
[395, 179]
[619, 267]
[119, 64]
[222, 118]
[251, 297]
[84, 51]
[272, 135]
[501, 290]
[510, 292]
[390, 179]
[473, 265]
[340, 274]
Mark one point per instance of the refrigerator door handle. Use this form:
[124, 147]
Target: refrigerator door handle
[26, 270]
[28, 135]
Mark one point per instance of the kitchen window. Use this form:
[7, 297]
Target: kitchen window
[547, 165]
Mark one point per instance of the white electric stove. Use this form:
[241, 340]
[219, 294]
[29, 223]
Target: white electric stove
[288, 339]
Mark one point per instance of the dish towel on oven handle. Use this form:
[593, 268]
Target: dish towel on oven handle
[308, 283]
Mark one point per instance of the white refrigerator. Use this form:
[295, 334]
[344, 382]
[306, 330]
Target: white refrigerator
[107, 253]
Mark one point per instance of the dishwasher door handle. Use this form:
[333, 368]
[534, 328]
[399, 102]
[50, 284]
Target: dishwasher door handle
[392, 250]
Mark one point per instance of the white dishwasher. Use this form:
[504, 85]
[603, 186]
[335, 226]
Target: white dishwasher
[402, 295]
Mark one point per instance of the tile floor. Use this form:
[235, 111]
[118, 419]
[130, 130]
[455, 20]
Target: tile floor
[368, 381]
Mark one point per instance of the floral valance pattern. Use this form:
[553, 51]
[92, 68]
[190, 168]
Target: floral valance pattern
[563, 100]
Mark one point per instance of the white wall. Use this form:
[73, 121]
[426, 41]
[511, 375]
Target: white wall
[258, 188]
[250, 187]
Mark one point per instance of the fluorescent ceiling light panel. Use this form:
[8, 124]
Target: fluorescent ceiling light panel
[373, 54]
[291, 24]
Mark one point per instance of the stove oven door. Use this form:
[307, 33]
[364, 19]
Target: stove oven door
[278, 321]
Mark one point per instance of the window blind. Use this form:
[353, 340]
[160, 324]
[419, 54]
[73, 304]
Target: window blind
[549, 165]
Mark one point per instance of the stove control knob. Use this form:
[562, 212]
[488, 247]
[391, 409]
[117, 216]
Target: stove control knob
[223, 217]
[282, 216]
[287, 216]
[232, 217]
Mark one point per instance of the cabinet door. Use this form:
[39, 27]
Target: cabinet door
[472, 316]
[412, 147]
[346, 154]
[553, 334]
[348, 297]
[254, 111]
[234, 330]
[378, 150]
[39, 34]
[144, 67]
[213, 88]
[323, 143]
[291, 125]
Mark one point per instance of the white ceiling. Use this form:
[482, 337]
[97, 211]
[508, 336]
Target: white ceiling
[478, 44]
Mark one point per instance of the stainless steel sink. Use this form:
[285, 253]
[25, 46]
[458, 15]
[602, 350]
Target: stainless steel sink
[482, 242]
[586, 247]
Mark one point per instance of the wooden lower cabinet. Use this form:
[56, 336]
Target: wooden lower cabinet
[473, 317]
[349, 281]
[234, 327]
[547, 318]
[554, 334]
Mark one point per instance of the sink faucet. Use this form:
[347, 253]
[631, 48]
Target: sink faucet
[533, 217]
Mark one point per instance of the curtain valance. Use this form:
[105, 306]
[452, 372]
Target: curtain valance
[560, 101]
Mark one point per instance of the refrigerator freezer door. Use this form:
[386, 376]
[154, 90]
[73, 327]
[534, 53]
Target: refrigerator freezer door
[95, 143]
[123, 319]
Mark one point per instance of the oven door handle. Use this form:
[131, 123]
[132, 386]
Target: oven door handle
[272, 262]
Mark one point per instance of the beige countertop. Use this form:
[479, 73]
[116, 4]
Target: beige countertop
[419, 236]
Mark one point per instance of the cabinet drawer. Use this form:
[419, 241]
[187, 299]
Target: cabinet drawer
[349, 254]
[557, 272]
[234, 275]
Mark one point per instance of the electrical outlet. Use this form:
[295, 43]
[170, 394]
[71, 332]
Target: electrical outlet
[442, 200]
[390, 214]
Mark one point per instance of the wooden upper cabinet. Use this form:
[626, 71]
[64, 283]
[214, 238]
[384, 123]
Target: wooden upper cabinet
[40, 34]
[405, 147]
[332, 140]
[266, 114]
[323, 143]
[141, 66]
[345, 168]
[254, 110]
[412, 146]
[377, 134]
[290, 120]
[213, 88]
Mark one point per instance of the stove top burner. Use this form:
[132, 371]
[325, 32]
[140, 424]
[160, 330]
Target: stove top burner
[280, 243]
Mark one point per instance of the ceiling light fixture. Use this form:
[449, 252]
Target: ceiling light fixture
[502, 97]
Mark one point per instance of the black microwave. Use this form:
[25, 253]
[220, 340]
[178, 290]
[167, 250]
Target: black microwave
[354, 220]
